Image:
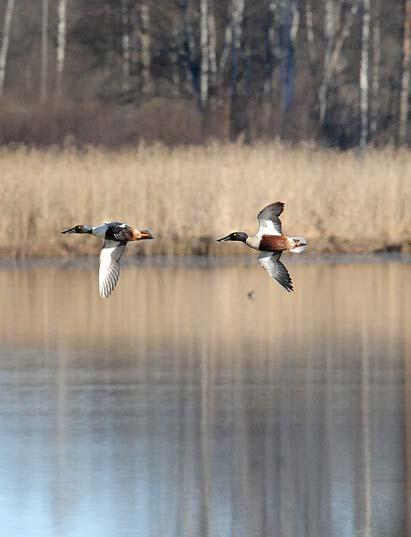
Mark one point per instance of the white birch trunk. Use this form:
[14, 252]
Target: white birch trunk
[405, 80]
[331, 66]
[232, 37]
[273, 44]
[228, 39]
[134, 38]
[61, 43]
[364, 86]
[329, 24]
[335, 55]
[44, 49]
[376, 62]
[295, 23]
[204, 53]
[125, 43]
[5, 43]
[145, 49]
[329, 39]
[237, 112]
[310, 30]
[212, 45]
[189, 33]
[109, 59]
[238, 13]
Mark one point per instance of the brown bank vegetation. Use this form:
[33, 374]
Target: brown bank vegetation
[191, 196]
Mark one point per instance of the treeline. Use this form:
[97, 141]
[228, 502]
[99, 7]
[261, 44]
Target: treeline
[115, 72]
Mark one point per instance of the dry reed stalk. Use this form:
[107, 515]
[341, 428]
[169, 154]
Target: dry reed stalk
[190, 196]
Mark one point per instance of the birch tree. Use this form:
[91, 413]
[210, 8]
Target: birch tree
[61, 43]
[236, 106]
[405, 78]
[5, 42]
[332, 61]
[365, 45]
[125, 44]
[329, 41]
[272, 55]
[310, 32]
[44, 49]
[134, 37]
[189, 47]
[287, 28]
[237, 28]
[204, 53]
[145, 49]
[212, 45]
[376, 62]
[272, 49]
[228, 39]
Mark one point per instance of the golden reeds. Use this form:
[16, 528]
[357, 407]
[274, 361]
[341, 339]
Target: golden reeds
[190, 196]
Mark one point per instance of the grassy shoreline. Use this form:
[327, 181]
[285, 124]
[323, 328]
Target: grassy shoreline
[190, 196]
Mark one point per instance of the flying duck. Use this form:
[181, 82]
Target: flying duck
[116, 235]
[271, 242]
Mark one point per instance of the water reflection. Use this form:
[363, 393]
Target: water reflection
[181, 408]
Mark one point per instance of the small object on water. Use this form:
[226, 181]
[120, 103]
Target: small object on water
[271, 242]
[252, 294]
[116, 235]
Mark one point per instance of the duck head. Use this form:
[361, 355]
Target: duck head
[145, 234]
[78, 229]
[236, 236]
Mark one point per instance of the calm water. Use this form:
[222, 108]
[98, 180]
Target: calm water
[182, 408]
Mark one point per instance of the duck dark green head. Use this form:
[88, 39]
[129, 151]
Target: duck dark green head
[236, 236]
[78, 229]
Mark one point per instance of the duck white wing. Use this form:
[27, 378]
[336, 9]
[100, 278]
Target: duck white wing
[272, 264]
[268, 219]
[109, 273]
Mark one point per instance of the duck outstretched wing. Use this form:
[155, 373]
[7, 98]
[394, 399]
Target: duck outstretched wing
[268, 219]
[272, 264]
[109, 272]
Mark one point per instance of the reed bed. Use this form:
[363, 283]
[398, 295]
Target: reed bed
[190, 196]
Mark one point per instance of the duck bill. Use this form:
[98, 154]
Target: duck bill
[146, 234]
[227, 238]
[70, 230]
